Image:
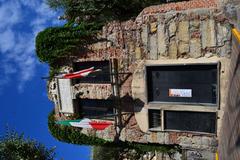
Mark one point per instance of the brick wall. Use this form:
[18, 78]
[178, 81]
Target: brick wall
[192, 4]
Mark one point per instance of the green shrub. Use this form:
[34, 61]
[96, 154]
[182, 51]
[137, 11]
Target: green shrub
[14, 146]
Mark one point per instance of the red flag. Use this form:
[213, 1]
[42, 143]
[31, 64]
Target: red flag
[78, 74]
[100, 125]
[86, 123]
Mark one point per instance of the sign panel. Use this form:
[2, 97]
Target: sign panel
[180, 92]
[65, 96]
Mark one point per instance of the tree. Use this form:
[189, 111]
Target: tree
[101, 10]
[59, 42]
[15, 147]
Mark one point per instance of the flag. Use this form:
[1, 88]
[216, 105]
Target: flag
[78, 74]
[86, 123]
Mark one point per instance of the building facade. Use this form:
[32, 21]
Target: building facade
[173, 77]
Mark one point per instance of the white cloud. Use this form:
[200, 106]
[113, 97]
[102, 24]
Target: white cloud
[7, 40]
[8, 68]
[21, 20]
[30, 3]
[10, 14]
[43, 10]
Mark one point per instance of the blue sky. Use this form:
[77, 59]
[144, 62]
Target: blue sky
[24, 102]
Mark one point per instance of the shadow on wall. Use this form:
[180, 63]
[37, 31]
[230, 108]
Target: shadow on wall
[129, 104]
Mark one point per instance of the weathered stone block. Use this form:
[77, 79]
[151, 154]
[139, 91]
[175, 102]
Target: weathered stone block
[173, 49]
[98, 46]
[162, 40]
[149, 138]
[138, 53]
[223, 34]
[183, 48]
[224, 50]
[199, 154]
[185, 141]
[123, 134]
[208, 33]
[112, 37]
[166, 138]
[172, 28]
[196, 140]
[144, 35]
[131, 47]
[161, 137]
[195, 24]
[195, 48]
[183, 31]
[153, 27]
[154, 136]
[206, 141]
[153, 47]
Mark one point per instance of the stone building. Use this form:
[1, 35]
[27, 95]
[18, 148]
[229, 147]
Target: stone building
[173, 63]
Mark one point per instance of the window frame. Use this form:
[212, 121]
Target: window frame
[217, 105]
[188, 131]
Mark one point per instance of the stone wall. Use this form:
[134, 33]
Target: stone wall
[230, 132]
[166, 32]
[172, 35]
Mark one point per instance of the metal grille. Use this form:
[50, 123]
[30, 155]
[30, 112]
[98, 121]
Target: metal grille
[154, 118]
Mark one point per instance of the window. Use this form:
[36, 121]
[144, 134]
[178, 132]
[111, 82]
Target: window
[188, 84]
[154, 118]
[190, 121]
[97, 77]
[91, 108]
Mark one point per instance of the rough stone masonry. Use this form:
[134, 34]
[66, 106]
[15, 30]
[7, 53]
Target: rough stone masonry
[159, 33]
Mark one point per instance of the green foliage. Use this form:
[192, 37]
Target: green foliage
[74, 136]
[105, 153]
[56, 43]
[101, 10]
[53, 71]
[15, 147]
[85, 18]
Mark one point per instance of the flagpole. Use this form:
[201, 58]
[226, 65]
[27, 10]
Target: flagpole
[108, 115]
[116, 93]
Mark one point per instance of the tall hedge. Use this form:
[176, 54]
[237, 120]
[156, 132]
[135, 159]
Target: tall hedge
[59, 42]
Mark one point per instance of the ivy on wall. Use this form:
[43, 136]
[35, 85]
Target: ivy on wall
[55, 43]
